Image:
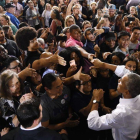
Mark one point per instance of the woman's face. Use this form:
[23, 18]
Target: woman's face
[132, 11]
[70, 22]
[75, 57]
[131, 65]
[93, 6]
[31, 5]
[3, 21]
[48, 7]
[100, 14]
[52, 2]
[115, 60]
[10, 31]
[14, 85]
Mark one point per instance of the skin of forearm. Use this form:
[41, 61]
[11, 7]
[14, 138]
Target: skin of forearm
[83, 52]
[15, 121]
[86, 110]
[109, 66]
[68, 80]
[113, 94]
[57, 126]
[41, 63]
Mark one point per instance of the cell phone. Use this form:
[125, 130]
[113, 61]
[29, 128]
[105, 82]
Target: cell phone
[72, 62]
[61, 38]
[119, 12]
[74, 116]
[27, 89]
[131, 18]
[50, 38]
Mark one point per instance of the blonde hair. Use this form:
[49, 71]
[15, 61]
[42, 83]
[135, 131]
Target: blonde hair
[92, 3]
[67, 18]
[135, 9]
[55, 7]
[7, 18]
[76, 5]
[47, 4]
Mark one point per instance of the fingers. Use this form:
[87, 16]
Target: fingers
[92, 67]
[62, 62]
[29, 65]
[56, 53]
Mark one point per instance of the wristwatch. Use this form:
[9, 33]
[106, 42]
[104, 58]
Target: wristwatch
[95, 101]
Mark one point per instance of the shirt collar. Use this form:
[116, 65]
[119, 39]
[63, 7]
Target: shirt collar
[124, 101]
[39, 125]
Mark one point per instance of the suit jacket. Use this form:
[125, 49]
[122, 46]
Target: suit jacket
[40, 133]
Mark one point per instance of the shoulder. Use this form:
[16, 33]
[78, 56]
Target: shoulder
[11, 42]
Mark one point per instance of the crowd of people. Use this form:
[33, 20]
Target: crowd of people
[69, 69]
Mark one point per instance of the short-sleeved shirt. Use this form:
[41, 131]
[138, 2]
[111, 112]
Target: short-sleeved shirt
[14, 28]
[12, 48]
[119, 50]
[56, 110]
[31, 57]
[13, 19]
[80, 100]
[19, 9]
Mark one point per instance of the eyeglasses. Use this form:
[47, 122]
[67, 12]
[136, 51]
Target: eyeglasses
[125, 40]
[15, 66]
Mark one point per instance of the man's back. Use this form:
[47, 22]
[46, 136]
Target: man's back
[40, 133]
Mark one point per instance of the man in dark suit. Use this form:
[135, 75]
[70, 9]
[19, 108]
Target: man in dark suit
[29, 115]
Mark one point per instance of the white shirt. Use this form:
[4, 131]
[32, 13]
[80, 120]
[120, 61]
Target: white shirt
[47, 16]
[39, 125]
[124, 120]
[121, 71]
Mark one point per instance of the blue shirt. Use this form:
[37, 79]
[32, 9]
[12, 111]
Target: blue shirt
[13, 19]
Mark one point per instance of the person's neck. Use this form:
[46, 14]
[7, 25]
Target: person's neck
[123, 49]
[15, 3]
[86, 93]
[133, 40]
[52, 96]
[33, 126]
[3, 41]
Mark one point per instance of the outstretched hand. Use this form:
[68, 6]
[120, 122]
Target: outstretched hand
[58, 59]
[97, 64]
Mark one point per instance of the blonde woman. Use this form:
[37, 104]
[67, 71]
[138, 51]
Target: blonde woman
[133, 11]
[5, 20]
[46, 15]
[69, 20]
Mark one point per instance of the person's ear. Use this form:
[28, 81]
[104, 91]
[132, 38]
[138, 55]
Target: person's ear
[127, 93]
[48, 90]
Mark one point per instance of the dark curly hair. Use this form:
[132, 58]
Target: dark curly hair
[66, 54]
[23, 37]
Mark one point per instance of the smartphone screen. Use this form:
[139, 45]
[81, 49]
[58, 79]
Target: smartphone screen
[72, 62]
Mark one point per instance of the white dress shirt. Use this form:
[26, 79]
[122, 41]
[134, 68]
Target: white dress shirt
[121, 71]
[39, 125]
[124, 120]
